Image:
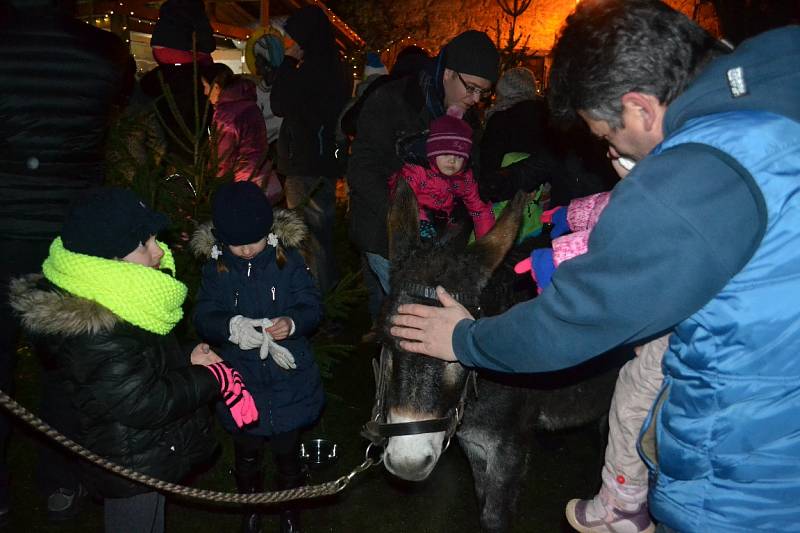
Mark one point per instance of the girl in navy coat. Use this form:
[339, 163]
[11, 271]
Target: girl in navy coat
[258, 303]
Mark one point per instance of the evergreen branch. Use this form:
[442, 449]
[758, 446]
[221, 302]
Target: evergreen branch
[169, 131]
[173, 106]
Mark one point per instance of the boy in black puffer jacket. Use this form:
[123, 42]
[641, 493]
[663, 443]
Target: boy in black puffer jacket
[104, 310]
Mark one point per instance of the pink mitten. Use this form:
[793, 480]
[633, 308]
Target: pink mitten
[526, 265]
[523, 266]
[236, 396]
[547, 216]
[243, 410]
[558, 218]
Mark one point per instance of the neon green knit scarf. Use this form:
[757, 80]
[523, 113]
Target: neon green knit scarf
[143, 296]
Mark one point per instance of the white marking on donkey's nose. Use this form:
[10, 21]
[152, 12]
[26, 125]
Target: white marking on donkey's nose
[412, 457]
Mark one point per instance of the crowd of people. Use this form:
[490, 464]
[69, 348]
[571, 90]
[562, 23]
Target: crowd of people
[688, 257]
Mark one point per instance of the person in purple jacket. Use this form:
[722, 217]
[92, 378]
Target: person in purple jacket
[241, 134]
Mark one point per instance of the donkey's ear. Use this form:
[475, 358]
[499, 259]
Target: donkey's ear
[403, 222]
[493, 247]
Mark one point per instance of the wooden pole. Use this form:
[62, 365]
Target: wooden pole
[265, 13]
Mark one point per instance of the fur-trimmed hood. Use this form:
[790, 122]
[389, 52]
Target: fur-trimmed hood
[288, 226]
[51, 311]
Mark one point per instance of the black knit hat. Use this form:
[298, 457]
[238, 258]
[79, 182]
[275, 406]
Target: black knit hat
[473, 53]
[241, 213]
[110, 222]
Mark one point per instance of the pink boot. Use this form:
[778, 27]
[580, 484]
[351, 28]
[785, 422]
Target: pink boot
[612, 511]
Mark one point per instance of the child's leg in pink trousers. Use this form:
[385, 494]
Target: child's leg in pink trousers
[620, 505]
[637, 386]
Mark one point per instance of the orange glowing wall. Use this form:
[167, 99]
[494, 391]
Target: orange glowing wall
[431, 23]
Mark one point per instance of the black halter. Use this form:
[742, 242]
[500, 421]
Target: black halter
[378, 432]
[426, 292]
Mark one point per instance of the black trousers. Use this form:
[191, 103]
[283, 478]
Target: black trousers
[249, 451]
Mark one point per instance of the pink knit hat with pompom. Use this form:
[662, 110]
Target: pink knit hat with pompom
[449, 135]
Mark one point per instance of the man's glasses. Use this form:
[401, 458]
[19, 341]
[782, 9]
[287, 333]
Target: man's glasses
[472, 90]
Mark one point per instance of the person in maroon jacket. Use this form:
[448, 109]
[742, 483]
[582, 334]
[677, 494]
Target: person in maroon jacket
[241, 134]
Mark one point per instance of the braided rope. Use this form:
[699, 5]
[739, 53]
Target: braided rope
[300, 493]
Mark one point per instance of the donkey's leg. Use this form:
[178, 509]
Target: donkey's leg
[476, 455]
[507, 466]
[499, 463]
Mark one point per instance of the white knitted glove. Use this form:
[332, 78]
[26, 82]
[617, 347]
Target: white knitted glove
[282, 357]
[243, 332]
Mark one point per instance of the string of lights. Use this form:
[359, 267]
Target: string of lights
[354, 58]
[103, 21]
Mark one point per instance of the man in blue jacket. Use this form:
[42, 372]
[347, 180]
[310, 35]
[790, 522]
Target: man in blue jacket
[699, 239]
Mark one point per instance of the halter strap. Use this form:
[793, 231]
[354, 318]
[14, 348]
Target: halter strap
[378, 432]
[429, 293]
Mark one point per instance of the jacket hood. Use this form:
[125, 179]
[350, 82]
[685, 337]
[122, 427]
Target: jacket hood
[761, 74]
[288, 226]
[238, 91]
[310, 27]
[47, 310]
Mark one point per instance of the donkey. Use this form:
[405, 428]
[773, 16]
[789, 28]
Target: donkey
[421, 402]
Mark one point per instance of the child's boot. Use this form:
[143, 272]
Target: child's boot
[290, 516]
[290, 475]
[617, 508]
[249, 480]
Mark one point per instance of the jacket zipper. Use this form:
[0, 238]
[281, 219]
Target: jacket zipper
[273, 293]
[647, 443]
[236, 292]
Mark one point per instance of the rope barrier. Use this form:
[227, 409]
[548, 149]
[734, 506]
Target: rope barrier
[301, 493]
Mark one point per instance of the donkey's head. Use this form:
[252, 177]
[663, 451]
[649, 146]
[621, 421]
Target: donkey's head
[419, 388]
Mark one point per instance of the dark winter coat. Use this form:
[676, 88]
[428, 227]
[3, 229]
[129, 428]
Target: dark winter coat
[61, 81]
[566, 160]
[407, 64]
[310, 98]
[349, 121]
[520, 128]
[241, 133]
[393, 111]
[138, 401]
[286, 399]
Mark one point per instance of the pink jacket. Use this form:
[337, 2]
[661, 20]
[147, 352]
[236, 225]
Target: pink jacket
[582, 215]
[241, 133]
[436, 192]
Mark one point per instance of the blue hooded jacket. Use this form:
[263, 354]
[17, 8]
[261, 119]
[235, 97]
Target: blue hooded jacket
[696, 239]
[286, 399]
